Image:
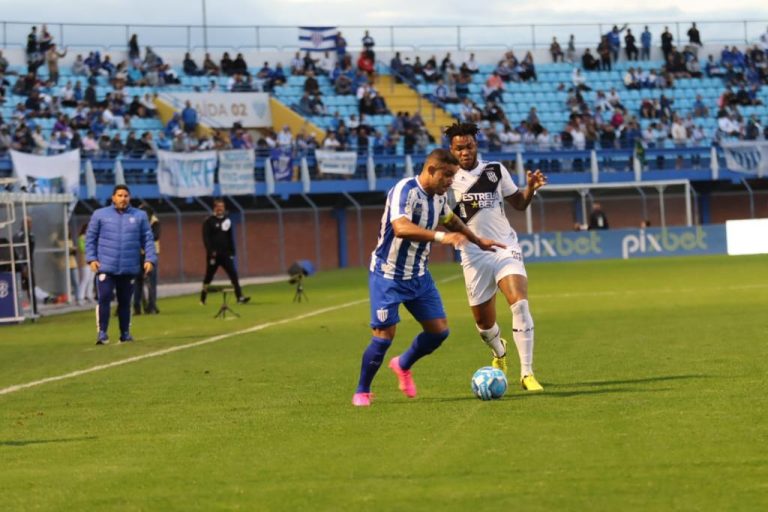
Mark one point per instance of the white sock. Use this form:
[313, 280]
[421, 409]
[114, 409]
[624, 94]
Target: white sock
[522, 333]
[492, 338]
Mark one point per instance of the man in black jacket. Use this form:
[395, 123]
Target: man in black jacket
[220, 250]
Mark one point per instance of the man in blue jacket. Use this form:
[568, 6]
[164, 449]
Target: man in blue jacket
[116, 234]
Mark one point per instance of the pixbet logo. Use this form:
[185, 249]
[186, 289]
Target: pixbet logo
[644, 242]
[558, 245]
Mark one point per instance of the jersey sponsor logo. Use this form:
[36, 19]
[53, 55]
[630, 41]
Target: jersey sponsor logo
[480, 195]
[479, 200]
[382, 314]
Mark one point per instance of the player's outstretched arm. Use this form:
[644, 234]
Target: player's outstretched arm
[455, 224]
[407, 230]
[521, 199]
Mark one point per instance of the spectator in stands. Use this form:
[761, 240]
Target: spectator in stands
[133, 48]
[189, 118]
[310, 84]
[190, 66]
[471, 64]
[446, 63]
[727, 125]
[494, 88]
[316, 104]
[331, 142]
[699, 107]
[3, 63]
[368, 44]
[107, 67]
[341, 46]
[152, 61]
[297, 64]
[179, 144]
[753, 129]
[678, 132]
[430, 72]
[604, 50]
[555, 51]
[52, 57]
[614, 41]
[326, 65]
[571, 50]
[666, 43]
[45, 41]
[226, 65]
[31, 48]
[693, 35]
[210, 67]
[305, 104]
[239, 65]
[588, 61]
[631, 79]
[308, 64]
[693, 67]
[629, 46]
[365, 64]
[285, 138]
[579, 81]
[645, 41]
[527, 69]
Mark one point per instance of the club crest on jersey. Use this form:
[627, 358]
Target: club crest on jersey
[382, 314]
[491, 176]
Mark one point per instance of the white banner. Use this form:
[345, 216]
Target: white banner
[746, 156]
[336, 162]
[57, 174]
[223, 109]
[186, 174]
[236, 172]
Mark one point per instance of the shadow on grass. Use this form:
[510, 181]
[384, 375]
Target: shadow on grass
[644, 380]
[566, 394]
[46, 441]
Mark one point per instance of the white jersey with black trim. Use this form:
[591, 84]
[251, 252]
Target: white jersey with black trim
[397, 258]
[477, 197]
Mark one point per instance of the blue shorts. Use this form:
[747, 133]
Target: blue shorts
[419, 296]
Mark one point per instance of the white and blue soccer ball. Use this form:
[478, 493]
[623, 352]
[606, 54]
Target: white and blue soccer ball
[489, 383]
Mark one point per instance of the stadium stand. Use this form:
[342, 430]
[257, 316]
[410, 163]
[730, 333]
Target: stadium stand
[668, 114]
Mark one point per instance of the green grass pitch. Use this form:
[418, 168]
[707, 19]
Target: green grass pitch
[655, 376]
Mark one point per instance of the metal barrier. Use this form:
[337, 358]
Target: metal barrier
[113, 37]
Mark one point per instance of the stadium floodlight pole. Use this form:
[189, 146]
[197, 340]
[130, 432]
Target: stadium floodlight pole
[205, 28]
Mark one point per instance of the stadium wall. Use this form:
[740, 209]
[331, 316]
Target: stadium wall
[261, 252]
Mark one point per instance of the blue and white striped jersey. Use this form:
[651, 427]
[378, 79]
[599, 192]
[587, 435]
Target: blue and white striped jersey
[395, 258]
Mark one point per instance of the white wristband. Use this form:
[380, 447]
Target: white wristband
[439, 235]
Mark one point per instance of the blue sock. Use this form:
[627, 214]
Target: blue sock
[423, 344]
[372, 359]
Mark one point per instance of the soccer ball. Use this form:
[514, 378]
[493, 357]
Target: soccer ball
[489, 383]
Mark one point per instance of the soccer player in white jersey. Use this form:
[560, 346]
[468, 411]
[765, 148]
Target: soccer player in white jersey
[477, 197]
[399, 274]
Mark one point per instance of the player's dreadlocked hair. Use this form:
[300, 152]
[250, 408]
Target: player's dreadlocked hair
[461, 129]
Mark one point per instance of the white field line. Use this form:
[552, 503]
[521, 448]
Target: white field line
[206, 341]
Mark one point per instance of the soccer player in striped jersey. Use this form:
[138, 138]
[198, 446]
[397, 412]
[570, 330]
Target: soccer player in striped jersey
[399, 274]
[477, 196]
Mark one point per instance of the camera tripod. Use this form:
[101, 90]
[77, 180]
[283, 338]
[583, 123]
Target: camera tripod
[224, 308]
[299, 280]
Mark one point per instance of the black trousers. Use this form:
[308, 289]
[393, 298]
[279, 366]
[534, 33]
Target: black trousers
[228, 264]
